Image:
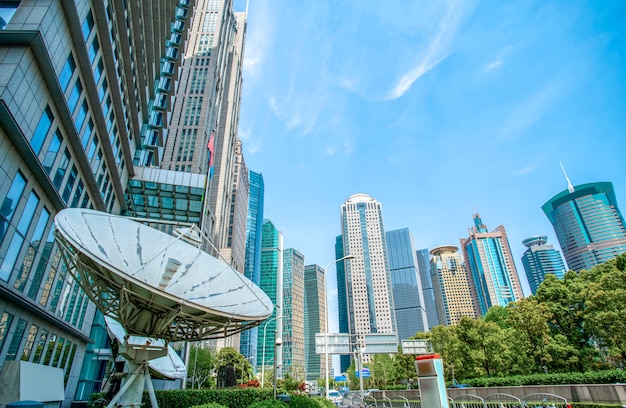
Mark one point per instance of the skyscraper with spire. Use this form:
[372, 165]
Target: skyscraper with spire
[369, 300]
[587, 223]
[540, 260]
[490, 267]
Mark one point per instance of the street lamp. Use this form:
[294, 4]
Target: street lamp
[327, 313]
[278, 342]
[263, 357]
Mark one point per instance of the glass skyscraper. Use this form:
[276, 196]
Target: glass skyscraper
[252, 266]
[408, 298]
[271, 283]
[314, 319]
[369, 299]
[588, 224]
[491, 270]
[293, 314]
[540, 260]
[423, 265]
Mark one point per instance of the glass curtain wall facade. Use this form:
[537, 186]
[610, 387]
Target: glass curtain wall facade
[80, 80]
[314, 319]
[406, 285]
[294, 363]
[342, 300]
[490, 266]
[588, 224]
[252, 267]
[423, 263]
[540, 260]
[369, 291]
[271, 283]
[451, 285]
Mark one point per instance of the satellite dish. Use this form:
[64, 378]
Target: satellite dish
[154, 284]
[170, 366]
[158, 287]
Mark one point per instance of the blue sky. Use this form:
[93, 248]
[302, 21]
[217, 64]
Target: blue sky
[436, 109]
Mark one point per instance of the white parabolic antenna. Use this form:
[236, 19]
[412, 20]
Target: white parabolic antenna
[155, 284]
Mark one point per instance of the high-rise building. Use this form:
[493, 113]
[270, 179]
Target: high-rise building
[294, 363]
[451, 285]
[588, 224]
[192, 168]
[408, 298]
[369, 304]
[540, 260]
[423, 264]
[271, 283]
[82, 83]
[490, 267]
[314, 319]
[342, 300]
[252, 265]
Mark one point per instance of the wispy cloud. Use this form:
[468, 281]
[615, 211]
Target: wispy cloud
[528, 112]
[498, 61]
[526, 170]
[437, 50]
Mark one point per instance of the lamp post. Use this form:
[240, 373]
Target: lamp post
[277, 344]
[327, 313]
[263, 357]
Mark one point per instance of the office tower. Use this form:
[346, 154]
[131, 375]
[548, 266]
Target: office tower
[490, 267]
[293, 311]
[369, 299]
[451, 285]
[342, 300]
[252, 266]
[539, 260]
[80, 83]
[423, 266]
[314, 319]
[271, 283]
[408, 298]
[588, 224]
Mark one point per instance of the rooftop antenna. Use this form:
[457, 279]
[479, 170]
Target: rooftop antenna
[570, 187]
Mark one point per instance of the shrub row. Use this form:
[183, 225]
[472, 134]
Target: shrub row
[591, 377]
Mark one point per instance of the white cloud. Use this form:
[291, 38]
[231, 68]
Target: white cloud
[437, 50]
[526, 170]
[495, 64]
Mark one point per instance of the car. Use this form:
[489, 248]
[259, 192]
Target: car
[335, 396]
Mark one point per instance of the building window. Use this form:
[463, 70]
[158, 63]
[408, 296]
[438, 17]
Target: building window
[42, 130]
[73, 98]
[88, 25]
[16, 340]
[93, 49]
[18, 238]
[53, 150]
[7, 10]
[67, 72]
[10, 202]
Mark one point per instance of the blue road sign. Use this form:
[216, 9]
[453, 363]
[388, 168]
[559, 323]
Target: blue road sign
[365, 371]
[340, 378]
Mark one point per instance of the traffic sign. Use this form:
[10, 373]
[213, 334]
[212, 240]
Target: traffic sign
[365, 371]
[340, 378]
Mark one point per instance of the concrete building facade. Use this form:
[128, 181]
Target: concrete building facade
[451, 285]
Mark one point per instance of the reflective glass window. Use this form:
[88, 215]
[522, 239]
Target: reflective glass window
[16, 340]
[67, 72]
[43, 127]
[10, 202]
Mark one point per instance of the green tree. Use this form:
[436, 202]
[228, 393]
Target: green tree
[229, 356]
[605, 314]
[201, 369]
[566, 303]
[529, 318]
